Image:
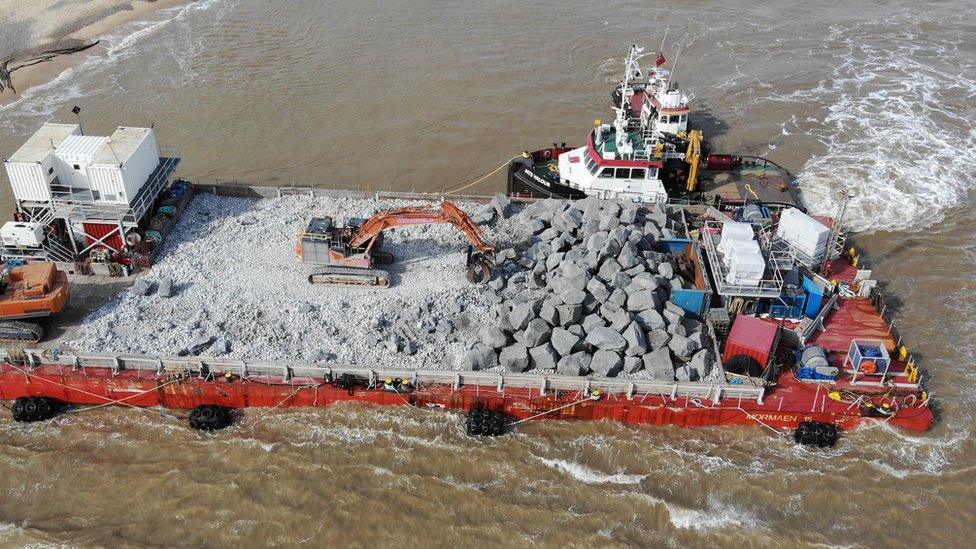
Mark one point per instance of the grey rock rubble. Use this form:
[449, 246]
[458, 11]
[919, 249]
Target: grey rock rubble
[580, 287]
[590, 291]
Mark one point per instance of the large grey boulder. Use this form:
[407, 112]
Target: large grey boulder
[628, 257]
[543, 357]
[598, 289]
[569, 219]
[636, 342]
[592, 322]
[572, 296]
[500, 202]
[569, 277]
[569, 314]
[659, 365]
[548, 313]
[141, 287]
[606, 339]
[493, 337]
[514, 358]
[536, 226]
[609, 268]
[199, 344]
[480, 357]
[165, 287]
[618, 318]
[651, 320]
[520, 316]
[702, 362]
[564, 341]
[682, 347]
[576, 364]
[658, 338]
[643, 300]
[606, 363]
[633, 364]
[549, 234]
[536, 333]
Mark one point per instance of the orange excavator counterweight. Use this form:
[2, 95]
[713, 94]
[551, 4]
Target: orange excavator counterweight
[36, 290]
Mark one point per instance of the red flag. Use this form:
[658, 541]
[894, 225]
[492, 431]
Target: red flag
[660, 59]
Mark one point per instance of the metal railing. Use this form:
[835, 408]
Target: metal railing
[771, 285]
[288, 372]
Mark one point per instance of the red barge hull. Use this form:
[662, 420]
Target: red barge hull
[785, 408]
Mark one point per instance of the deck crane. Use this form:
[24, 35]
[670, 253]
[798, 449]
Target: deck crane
[348, 254]
[693, 158]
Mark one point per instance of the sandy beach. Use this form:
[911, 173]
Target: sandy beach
[30, 28]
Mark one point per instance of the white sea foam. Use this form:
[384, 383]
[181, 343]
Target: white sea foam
[717, 515]
[586, 475]
[44, 99]
[898, 129]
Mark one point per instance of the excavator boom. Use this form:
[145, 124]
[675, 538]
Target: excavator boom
[448, 213]
[352, 252]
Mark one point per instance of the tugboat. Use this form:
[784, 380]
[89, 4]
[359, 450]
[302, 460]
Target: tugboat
[648, 154]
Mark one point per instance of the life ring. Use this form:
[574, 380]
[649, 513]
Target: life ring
[869, 367]
[546, 153]
[553, 167]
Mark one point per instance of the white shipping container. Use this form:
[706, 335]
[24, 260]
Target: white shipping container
[28, 181]
[804, 233]
[107, 184]
[131, 155]
[31, 168]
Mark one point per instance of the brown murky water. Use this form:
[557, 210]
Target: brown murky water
[877, 98]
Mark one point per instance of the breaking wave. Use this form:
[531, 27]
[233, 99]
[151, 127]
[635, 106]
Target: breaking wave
[898, 129]
[586, 475]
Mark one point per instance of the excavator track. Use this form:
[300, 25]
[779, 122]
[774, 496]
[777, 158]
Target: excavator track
[350, 277]
[13, 332]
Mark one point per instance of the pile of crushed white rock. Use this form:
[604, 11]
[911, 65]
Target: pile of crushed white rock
[227, 284]
[580, 287]
[591, 294]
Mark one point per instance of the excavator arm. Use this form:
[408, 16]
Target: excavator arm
[448, 214]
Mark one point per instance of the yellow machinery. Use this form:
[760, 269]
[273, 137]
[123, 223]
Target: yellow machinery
[693, 157]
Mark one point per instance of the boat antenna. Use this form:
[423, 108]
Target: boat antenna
[666, 29]
[673, 69]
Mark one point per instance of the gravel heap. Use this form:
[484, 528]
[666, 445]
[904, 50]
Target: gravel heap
[580, 287]
[591, 294]
[227, 283]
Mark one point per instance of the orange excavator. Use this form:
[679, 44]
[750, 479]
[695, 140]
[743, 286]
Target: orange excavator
[36, 290]
[350, 253]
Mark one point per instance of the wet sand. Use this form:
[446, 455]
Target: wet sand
[43, 26]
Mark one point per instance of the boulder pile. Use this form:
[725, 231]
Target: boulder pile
[591, 293]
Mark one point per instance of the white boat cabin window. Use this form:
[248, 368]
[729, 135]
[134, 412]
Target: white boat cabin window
[591, 165]
[623, 173]
[607, 173]
[637, 173]
[684, 117]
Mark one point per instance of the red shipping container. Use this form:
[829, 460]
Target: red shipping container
[99, 230]
[753, 337]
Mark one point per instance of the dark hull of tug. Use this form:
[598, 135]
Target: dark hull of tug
[525, 182]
